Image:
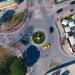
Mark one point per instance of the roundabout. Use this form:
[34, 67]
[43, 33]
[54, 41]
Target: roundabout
[38, 37]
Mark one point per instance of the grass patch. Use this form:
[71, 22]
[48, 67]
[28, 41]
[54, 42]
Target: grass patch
[39, 35]
[16, 19]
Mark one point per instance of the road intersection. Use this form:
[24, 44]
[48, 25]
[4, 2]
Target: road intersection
[55, 51]
[42, 18]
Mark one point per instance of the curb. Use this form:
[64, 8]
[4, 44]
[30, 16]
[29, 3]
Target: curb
[65, 53]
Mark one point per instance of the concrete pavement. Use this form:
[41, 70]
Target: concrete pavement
[42, 19]
[54, 52]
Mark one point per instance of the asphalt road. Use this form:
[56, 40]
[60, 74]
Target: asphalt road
[42, 20]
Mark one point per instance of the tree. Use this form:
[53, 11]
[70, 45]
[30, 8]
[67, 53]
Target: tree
[16, 19]
[17, 67]
[11, 65]
[4, 54]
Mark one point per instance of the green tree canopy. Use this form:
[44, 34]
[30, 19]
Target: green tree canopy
[17, 67]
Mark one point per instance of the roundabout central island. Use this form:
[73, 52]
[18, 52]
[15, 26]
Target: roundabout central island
[38, 37]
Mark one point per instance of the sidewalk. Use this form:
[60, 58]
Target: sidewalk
[66, 47]
[52, 7]
[21, 8]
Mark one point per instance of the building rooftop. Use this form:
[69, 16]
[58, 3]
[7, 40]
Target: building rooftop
[67, 29]
[71, 24]
[73, 17]
[64, 22]
[72, 40]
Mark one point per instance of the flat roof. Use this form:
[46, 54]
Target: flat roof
[64, 22]
[72, 40]
[67, 29]
[71, 24]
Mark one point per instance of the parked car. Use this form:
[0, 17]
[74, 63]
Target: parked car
[60, 10]
[46, 46]
[31, 2]
[72, 10]
[51, 29]
[57, 72]
[66, 72]
[73, 2]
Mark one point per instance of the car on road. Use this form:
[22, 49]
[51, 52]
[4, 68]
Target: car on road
[73, 2]
[71, 10]
[66, 72]
[46, 46]
[57, 72]
[59, 10]
[51, 29]
[31, 2]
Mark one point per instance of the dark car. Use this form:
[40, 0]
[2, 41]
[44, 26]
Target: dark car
[60, 10]
[72, 10]
[25, 40]
[31, 2]
[66, 72]
[73, 2]
[51, 29]
[57, 72]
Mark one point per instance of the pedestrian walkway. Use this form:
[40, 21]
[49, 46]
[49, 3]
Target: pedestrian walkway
[65, 47]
